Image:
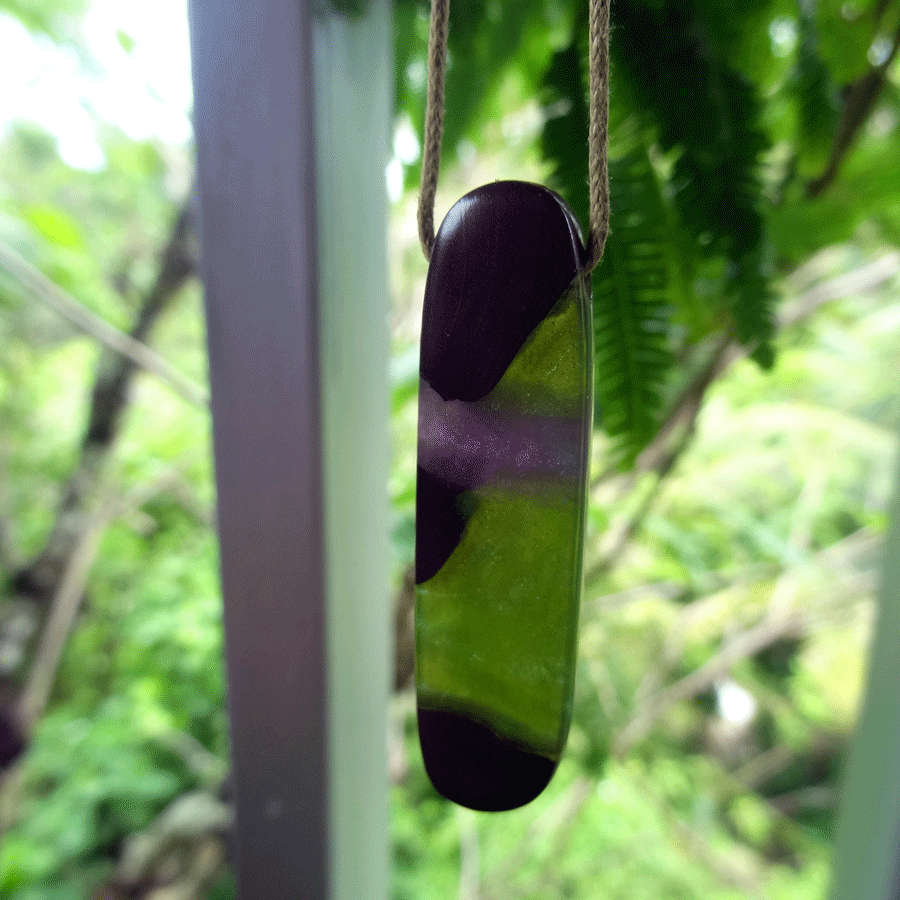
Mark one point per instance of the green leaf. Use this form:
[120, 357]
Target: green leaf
[845, 34]
[753, 306]
[864, 199]
[404, 377]
[632, 309]
[126, 41]
[53, 19]
[707, 119]
[740, 32]
[564, 137]
[565, 134]
[56, 225]
[643, 274]
[814, 92]
[495, 51]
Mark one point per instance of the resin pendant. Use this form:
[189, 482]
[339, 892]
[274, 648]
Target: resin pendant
[504, 429]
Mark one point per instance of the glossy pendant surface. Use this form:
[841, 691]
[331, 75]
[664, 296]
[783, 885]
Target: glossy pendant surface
[504, 428]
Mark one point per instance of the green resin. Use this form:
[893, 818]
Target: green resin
[496, 627]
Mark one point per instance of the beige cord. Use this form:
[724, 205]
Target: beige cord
[598, 135]
[434, 121]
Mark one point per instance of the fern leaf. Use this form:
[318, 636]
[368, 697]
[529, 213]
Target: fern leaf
[633, 284]
[753, 306]
[564, 138]
[814, 92]
[486, 42]
[632, 320]
[707, 115]
[565, 134]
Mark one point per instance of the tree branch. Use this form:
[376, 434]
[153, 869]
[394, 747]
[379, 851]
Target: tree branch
[109, 399]
[859, 101]
[178, 857]
[673, 438]
[71, 542]
[864, 278]
[775, 624]
[44, 290]
[67, 599]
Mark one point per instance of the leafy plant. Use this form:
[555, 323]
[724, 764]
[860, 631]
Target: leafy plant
[632, 315]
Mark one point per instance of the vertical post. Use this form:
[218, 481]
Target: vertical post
[294, 265]
[867, 847]
[353, 88]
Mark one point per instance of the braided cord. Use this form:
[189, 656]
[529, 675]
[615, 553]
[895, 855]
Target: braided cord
[598, 133]
[434, 120]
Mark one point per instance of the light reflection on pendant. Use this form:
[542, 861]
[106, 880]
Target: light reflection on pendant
[504, 428]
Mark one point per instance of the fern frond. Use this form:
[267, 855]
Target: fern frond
[753, 300]
[717, 175]
[632, 321]
[707, 115]
[635, 284]
[564, 136]
[704, 110]
[814, 92]
[487, 41]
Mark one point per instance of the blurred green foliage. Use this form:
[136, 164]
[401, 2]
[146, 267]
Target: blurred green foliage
[721, 114]
[738, 110]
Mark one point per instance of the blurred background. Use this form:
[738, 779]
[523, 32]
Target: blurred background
[746, 316]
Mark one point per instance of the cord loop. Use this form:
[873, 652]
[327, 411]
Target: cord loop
[598, 133]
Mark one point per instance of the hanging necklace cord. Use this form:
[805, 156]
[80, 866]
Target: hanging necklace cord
[598, 131]
[434, 120]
